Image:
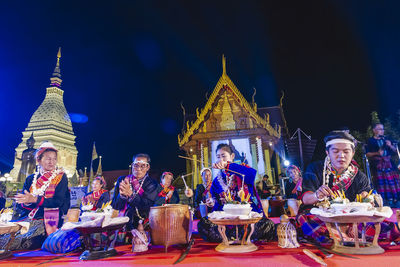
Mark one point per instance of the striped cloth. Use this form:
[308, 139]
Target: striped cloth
[62, 241]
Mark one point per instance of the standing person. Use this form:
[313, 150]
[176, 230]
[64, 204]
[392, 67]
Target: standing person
[385, 176]
[226, 181]
[135, 194]
[46, 188]
[334, 174]
[99, 196]
[166, 193]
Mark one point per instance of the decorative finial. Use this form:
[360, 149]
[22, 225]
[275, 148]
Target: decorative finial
[281, 100]
[254, 94]
[56, 79]
[223, 65]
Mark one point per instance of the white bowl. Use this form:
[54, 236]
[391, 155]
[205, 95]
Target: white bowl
[237, 209]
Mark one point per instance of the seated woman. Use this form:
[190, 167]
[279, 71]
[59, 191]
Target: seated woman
[228, 181]
[202, 193]
[99, 196]
[293, 184]
[166, 193]
[46, 188]
[293, 189]
[336, 173]
[63, 241]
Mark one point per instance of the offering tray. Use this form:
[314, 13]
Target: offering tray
[362, 247]
[236, 246]
[12, 229]
[92, 253]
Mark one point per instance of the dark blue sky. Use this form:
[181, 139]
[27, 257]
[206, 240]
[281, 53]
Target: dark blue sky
[127, 65]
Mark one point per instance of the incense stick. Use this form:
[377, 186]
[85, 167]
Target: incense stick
[183, 157]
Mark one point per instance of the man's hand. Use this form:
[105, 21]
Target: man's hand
[323, 191]
[25, 198]
[125, 188]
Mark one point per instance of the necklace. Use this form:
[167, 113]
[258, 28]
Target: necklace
[41, 190]
[135, 192]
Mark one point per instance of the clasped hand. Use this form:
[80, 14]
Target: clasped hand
[25, 198]
[125, 188]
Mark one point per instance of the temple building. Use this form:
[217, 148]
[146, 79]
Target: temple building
[51, 122]
[228, 117]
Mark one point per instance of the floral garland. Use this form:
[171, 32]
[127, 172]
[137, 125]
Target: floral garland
[348, 175]
[221, 182]
[40, 191]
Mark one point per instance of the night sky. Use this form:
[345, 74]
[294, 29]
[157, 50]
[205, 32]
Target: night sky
[127, 66]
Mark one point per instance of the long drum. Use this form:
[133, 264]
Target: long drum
[170, 225]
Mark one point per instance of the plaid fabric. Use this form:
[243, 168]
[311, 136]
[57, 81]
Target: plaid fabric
[386, 179]
[313, 227]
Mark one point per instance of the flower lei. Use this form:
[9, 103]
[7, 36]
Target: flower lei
[222, 182]
[348, 175]
[40, 191]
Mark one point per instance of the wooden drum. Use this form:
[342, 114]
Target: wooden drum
[170, 225]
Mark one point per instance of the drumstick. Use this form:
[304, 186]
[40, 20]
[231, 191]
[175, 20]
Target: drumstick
[184, 181]
[314, 257]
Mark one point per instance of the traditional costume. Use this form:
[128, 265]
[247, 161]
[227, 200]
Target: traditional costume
[264, 229]
[386, 177]
[97, 198]
[162, 193]
[137, 206]
[51, 189]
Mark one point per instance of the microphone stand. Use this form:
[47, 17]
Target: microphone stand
[366, 165]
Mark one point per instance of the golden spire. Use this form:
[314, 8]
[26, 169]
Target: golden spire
[58, 57]
[55, 80]
[223, 65]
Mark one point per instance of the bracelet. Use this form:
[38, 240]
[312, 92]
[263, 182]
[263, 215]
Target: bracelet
[319, 199]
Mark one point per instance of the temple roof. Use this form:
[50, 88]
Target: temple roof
[225, 84]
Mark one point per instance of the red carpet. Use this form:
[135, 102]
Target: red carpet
[204, 254]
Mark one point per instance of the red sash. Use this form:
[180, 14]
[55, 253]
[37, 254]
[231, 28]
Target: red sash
[165, 192]
[94, 197]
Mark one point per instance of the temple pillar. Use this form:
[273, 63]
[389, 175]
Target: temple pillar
[195, 172]
[278, 163]
[268, 165]
[254, 155]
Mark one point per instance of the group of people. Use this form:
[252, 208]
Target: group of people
[136, 193]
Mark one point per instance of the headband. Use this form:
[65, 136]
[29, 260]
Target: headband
[205, 169]
[339, 140]
[43, 147]
[141, 161]
[167, 173]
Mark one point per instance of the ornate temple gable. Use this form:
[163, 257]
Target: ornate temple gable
[227, 109]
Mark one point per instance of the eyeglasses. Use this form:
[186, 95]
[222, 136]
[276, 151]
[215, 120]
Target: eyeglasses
[140, 165]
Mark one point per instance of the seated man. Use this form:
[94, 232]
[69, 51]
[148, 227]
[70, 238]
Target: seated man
[166, 193]
[336, 173]
[228, 181]
[135, 194]
[202, 193]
